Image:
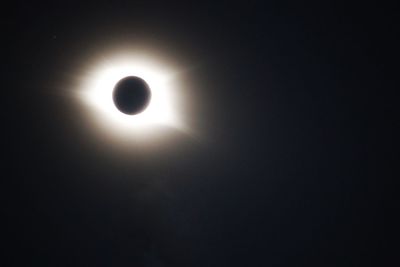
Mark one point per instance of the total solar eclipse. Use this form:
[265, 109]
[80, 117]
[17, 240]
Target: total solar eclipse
[131, 95]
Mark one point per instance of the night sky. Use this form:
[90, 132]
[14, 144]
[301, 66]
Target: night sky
[291, 160]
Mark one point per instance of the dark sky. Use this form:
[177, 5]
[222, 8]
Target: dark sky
[294, 165]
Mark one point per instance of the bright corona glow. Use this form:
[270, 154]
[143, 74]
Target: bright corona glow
[99, 85]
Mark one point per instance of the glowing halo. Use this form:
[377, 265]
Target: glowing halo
[96, 93]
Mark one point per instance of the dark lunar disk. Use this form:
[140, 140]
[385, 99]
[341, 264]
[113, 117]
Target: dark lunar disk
[131, 95]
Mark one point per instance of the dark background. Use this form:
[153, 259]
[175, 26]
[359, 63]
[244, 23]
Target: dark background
[296, 101]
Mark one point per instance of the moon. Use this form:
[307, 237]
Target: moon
[131, 95]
